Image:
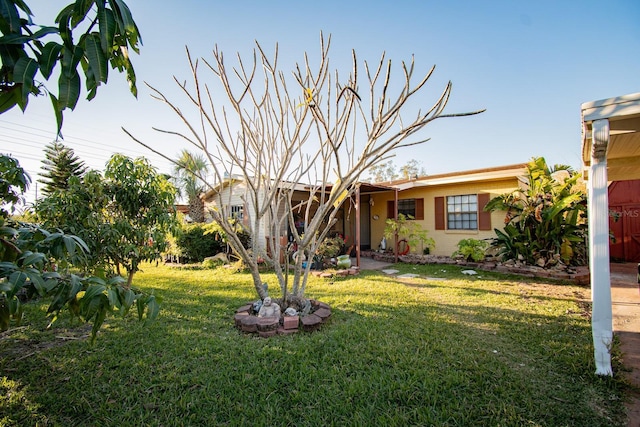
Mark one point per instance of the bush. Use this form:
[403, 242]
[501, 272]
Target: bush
[194, 245]
[471, 249]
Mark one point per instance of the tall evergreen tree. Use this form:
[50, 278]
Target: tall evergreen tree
[59, 165]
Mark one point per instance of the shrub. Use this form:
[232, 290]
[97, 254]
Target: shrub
[195, 245]
[471, 249]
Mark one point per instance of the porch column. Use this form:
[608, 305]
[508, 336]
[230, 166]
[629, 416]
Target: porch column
[358, 237]
[598, 214]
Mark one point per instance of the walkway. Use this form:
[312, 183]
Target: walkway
[625, 298]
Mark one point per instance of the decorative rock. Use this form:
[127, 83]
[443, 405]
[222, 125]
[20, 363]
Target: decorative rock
[291, 322]
[311, 322]
[469, 272]
[249, 324]
[245, 308]
[283, 331]
[323, 305]
[322, 313]
[238, 318]
[290, 311]
[267, 334]
[267, 324]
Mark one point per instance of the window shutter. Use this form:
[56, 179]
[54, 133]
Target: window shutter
[484, 218]
[419, 209]
[391, 209]
[439, 213]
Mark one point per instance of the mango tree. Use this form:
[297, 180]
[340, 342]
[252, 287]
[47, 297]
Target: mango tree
[36, 261]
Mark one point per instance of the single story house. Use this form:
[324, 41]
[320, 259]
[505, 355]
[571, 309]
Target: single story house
[449, 206]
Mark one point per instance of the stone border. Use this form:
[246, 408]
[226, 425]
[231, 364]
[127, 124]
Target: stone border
[576, 275]
[247, 320]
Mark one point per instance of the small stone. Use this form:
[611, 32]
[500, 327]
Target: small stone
[249, 324]
[267, 324]
[311, 322]
[291, 322]
[323, 313]
[267, 334]
[238, 318]
[245, 308]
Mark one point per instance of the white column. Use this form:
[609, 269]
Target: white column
[598, 213]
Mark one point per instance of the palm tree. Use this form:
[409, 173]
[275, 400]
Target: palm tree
[188, 176]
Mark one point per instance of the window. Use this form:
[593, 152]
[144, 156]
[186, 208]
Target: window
[407, 207]
[237, 212]
[413, 207]
[462, 212]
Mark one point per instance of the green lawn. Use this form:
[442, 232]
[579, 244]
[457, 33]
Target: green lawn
[462, 351]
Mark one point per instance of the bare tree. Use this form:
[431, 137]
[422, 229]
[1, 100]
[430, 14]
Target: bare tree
[276, 131]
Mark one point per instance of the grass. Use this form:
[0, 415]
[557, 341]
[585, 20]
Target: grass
[444, 349]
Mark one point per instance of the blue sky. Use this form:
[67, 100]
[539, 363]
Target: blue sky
[529, 63]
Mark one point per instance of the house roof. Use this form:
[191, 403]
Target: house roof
[486, 174]
[623, 150]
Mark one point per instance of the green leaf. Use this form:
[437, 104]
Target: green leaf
[80, 10]
[92, 291]
[97, 323]
[114, 301]
[153, 308]
[33, 258]
[9, 99]
[107, 26]
[69, 90]
[70, 245]
[44, 31]
[58, 110]
[11, 14]
[97, 58]
[49, 58]
[24, 72]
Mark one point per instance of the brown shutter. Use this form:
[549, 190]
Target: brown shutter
[391, 209]
[419, 209]
[439, 213]
[484, 218]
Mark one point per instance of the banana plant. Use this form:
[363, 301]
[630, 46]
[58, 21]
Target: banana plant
[545, 220]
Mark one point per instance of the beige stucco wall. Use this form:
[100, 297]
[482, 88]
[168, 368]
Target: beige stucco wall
[446, 240]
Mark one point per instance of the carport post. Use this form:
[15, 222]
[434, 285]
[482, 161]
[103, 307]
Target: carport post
[598, 214]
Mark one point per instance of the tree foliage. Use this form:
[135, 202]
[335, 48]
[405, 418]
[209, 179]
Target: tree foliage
[545, 222]
[36, 261]
[124, 216]
[88, 36]
[59, 165]
[189, 175]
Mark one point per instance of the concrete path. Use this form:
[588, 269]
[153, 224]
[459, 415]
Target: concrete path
[625, 299]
